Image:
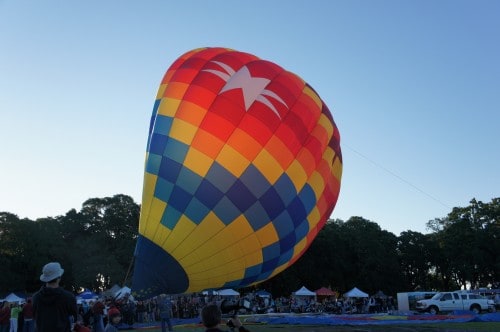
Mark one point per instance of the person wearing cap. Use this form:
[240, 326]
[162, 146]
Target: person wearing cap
[114, 318]
[54, 308]
[166, 314]
[211, 317]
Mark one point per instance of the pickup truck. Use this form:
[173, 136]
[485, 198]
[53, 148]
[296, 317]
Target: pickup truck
[450, 301]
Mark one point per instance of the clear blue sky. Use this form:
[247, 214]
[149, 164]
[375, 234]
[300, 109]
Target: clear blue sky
[414, 87]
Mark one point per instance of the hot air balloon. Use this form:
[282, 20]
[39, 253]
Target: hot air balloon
[242, 170]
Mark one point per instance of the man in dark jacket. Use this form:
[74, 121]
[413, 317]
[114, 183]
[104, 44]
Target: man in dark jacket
[54, 308]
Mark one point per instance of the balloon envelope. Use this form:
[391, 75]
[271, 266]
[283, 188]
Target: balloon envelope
[243, 168]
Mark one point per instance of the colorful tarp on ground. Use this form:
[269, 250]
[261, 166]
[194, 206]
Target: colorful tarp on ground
[368, 319]
[371, 319]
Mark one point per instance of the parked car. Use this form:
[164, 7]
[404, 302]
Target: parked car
[450, 301]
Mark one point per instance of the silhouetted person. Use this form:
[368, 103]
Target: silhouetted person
[54, 308]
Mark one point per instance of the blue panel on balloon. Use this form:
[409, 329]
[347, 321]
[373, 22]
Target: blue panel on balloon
[163, 124]
[196, 211]
[153, 164]
[257, 216]
[287, 242]
[270, 252]
[169, 169]
[285, 188]
[170, 217]
[297, 211]
[226, 211]
[156, 271]
[158, 144]
[270, 264]
[188, 180]
[176, 150]
[208, 194]
[163, 189]
[255, 181]
[283, 224]
[302, 230]
[272, 203]
[308, 198]
[220, 177]
[253, 271]
[241, 196]
[179, 199]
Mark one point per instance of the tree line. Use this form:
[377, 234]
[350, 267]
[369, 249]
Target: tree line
[96, 244]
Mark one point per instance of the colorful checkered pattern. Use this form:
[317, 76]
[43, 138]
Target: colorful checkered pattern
[243, 168]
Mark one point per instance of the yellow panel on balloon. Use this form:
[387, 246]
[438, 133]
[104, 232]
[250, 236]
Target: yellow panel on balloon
[326, 123]
[279, 269]
[147, 199]
[162, 233]
[297, 174]
[299, 247]
[168, 106]
[181, 231]
[198, 162]
[317, 183]
[182, 131]
[337, 169]
[233, 161]
[161, 91]
[328, 155]
[268, 166]
[313, 218]
[234, 232]
[157, 208]
[267, 235]
[209, 227]
[253, 258]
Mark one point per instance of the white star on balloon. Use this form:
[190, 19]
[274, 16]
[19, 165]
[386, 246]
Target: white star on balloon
[253, 88]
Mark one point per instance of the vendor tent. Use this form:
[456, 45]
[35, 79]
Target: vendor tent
[210, 292]
[112, 291]
[228, 292]
[13, 298]
[323, 291]
[355, 292]
[87, 294]
[303, 291]
[124, 291]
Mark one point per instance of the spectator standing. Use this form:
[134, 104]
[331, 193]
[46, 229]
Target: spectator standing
[165, 313]
[27, 312]
[4, 317]
[54, 308]
[98, 316]
[14, 316]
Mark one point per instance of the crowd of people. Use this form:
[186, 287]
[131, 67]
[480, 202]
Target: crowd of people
[55, 309]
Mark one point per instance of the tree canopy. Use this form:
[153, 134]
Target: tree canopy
[95, 246]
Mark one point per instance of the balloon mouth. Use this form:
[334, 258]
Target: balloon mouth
[156, 271]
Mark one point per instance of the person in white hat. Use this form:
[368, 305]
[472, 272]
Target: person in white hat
[54, 308]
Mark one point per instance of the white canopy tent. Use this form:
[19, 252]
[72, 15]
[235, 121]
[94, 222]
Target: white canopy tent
[228, 292]
[124, 291]
[303, 291]
[355, 292]
[13, 298]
